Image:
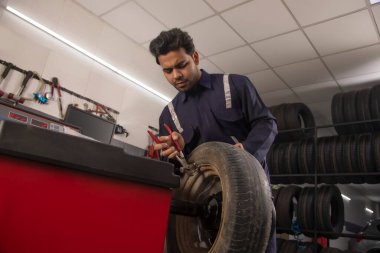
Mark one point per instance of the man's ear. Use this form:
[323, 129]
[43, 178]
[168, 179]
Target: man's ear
[196, 57]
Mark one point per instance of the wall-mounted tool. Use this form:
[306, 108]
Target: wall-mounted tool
[39, 95]
[18, 97]
[8, 67]
[121, 130]
[55, 83]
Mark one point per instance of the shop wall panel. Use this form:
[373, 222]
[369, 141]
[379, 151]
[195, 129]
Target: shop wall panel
[31, 49]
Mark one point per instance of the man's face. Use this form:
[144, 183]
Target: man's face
[180, 69]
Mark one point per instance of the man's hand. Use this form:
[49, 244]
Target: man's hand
[239, 145]
[167, 146]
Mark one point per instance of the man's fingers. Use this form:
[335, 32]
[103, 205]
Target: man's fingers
[173, 154]
[170, 152]
[164, 138]
[239, 145]
[160, 146]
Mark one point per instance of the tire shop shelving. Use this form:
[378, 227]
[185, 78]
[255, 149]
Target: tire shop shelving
[316, 177]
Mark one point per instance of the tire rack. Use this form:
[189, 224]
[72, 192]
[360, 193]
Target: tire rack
[316, 175]
[14, 67]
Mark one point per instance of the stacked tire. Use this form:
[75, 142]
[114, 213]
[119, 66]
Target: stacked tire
[296, 203]
[291, 246]
[295, 119]
[356, 153]
[356, 106]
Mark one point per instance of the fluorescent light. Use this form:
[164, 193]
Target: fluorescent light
[87, 53]
[368, 210]
[345, 197]
[374, 1]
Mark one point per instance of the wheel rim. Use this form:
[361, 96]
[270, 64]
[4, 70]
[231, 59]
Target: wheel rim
[191, 234]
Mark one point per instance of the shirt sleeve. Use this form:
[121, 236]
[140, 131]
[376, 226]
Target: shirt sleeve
[263, 127]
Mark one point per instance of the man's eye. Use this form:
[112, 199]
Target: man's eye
[181, 66]
[168, 71]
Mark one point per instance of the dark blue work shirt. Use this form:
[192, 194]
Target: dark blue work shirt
[203, 115]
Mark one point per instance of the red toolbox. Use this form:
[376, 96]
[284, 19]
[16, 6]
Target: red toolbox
[61, 193]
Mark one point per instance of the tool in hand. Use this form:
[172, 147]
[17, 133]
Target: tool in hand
[8, 67]
[18, 97]
[180, 158]
[176, 144]
[56, 84]
[234, 139]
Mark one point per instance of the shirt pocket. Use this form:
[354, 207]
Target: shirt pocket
[188, 135]
[228, 115]
[231, 121]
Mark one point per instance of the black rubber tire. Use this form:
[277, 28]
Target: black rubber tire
[363, 110]
[335, 151]
[330, 250]
[306, 158]
[321, 155]
[328, 153]
[309, 247]
[375, 106]
[295, 115]
[349, 111]
[330, 210]
[339, 160]
[275, 192]
[280, 242]
[305, 210]
[337, 112]
[291, 164]
[289, 246]
[365, 158]
[285, 206]
[376, 150]
[247, 208]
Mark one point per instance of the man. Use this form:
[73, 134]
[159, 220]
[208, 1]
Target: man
[225, 108]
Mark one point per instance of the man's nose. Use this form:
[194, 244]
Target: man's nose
[177, 73]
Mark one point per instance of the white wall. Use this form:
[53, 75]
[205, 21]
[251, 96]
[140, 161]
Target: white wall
[31, 49]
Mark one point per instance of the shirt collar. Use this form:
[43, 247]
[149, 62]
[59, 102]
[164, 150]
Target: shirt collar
[204, 81]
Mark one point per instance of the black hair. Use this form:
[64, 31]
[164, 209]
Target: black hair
[171, 40]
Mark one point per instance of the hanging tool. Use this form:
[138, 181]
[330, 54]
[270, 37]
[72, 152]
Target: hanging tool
[18, 97]
[39, 95]
[8, 67]
[50, 95]
[56, 84]
[109, 116]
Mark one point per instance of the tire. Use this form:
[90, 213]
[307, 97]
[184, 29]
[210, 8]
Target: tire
[364, 110]
[305, 210]
[306, 159]
[375, 106]
[337, 112]
[285, 206]
[247, 208]
[330, 214]
[376, 150]
[330, 250]
[349, 111]
[299, 116]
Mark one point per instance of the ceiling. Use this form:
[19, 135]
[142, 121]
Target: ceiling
[292, 50]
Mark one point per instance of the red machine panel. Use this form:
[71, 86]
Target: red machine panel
[46, 209]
